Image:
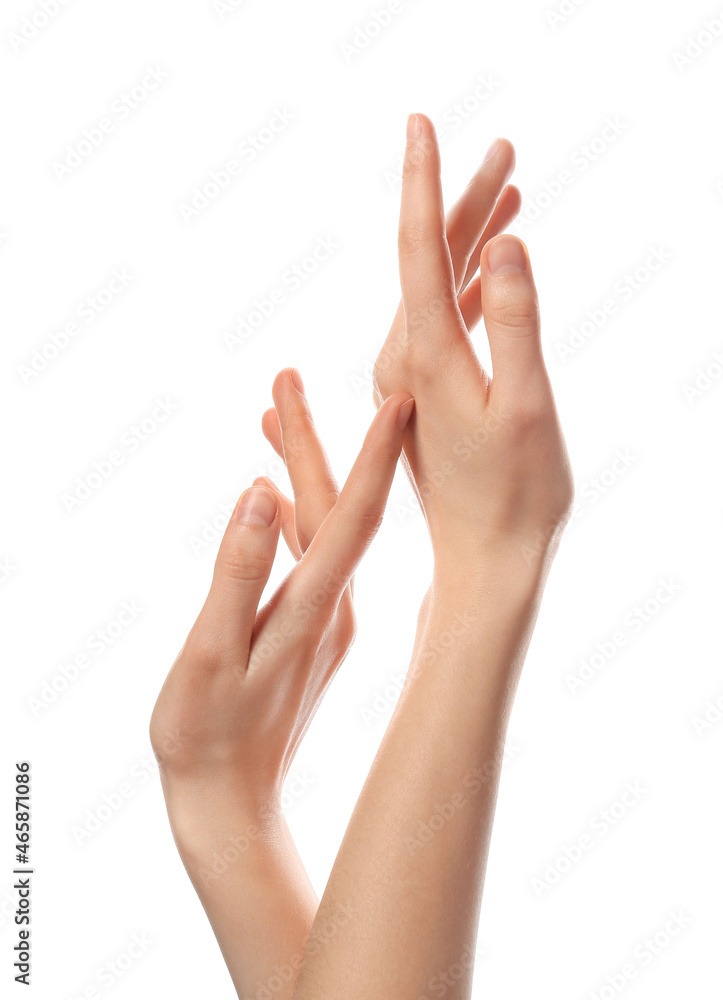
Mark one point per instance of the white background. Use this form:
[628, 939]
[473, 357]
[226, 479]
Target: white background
[332, 173]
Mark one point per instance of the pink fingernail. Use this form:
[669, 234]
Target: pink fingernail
[404, 414]
[296, 379]
[257, 506]
[506, 256]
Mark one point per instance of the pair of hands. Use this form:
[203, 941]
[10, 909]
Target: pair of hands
[484, 454]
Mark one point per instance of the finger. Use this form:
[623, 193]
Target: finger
[286, 507]
[472, 211]
[242, 568]
[315, 489]
[470, 305]
[511, 314]
[286, 510]
[425, 265]
[272, 430]
[345, 535]
[506, 211]
[470, 302]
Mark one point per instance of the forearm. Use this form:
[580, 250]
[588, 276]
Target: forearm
[414, 855]
[253, 886]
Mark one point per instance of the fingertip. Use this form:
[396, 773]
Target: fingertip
[282, 381]
[271, 428]
[513, 198]
[404, 413]
[257, 505]
[386, 431]
[501, 152]
[266, 483]
[422, 149]
[399, 406]
[427, 123]
[413, 127]
[269, 420]
[417, 124]
[510, 153]
[505, 254]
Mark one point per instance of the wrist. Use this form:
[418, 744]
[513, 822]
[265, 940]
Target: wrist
[486, 578]
[516, 558]
[242, 861]
[209, 816]
[477, 615]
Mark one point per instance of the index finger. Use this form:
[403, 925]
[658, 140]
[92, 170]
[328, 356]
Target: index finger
[348, 529]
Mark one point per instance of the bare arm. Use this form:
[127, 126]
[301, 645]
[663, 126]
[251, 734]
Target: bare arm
[487, 459]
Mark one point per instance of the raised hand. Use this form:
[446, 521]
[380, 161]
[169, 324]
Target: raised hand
[247, 682]
[484, 451]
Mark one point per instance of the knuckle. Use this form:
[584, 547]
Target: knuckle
[438, 307]
[204, 649]
[531, 420]
[534, 408]
[349, 634]
[564, 494]
[156, 732]
[352, 627]
[566, 503]
[422, 364]
[388, 367]
[242, 565]
[414, 236]
[519, 314]
[347, 623]
[171, 743]
[419, 354]
[362, 523]
[366, 525]
[380, 371]
[330, 496]
[321, 496]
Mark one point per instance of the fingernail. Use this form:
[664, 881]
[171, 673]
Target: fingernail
[256, 506]
[404, 413]
[507, 256]
[414, 127]
[493, 150]
[296, 379]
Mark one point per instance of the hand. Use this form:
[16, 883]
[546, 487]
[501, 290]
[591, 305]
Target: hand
[247, 682]
[485, 455]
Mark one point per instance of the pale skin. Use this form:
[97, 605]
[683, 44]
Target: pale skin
[487, 459]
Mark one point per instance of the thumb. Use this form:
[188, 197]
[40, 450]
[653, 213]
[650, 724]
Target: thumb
[511, 315]
[243, 565]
